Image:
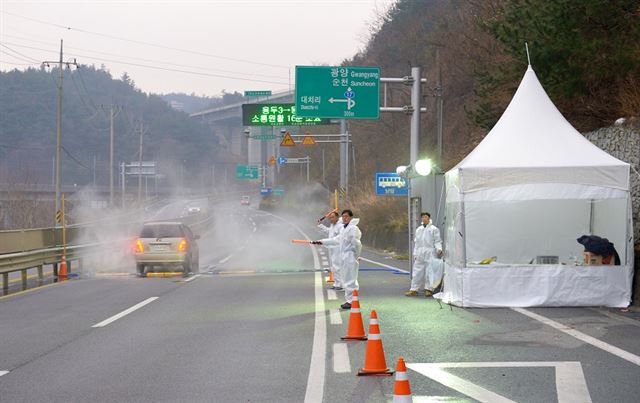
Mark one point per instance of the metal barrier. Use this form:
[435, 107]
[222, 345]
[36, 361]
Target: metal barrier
[21, 250]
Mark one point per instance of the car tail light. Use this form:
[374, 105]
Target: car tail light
[139, 246]
[182, 246]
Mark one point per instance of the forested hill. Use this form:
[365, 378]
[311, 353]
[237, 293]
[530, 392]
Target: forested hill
[585, 53]
[28, 126]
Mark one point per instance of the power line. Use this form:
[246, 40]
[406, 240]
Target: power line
[157, 67]
[24, 58]
[146, 60]
[68, 28]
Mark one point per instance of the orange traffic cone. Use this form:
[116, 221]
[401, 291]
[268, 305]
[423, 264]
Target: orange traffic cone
[355, 331]
[62, 271]
[401, 389]
[374, 362]
[330, 280]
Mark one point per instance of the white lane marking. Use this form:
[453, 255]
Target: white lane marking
[125, 312]
[334, 317]
[191, 278]
[225, 259]
[255, 229]
[341, 363]
[625, 355]
[316, 379]
[384, 265]
[331, 295]
[3, 372]
[315, 382]
[571, 386]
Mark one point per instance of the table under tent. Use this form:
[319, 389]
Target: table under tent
[524, 195]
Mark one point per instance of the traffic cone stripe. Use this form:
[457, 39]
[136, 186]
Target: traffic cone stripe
[373, 322]
[355, 298]
[402, 399]
[402, 376]
[375, 336]
[355, 310]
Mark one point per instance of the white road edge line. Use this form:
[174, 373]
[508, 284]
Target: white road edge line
[316, 379]
[225, 259]
[384, 265]
[3, 372]
[334, 317]
[625, 355]
[341, 363]
[125, 312]
[191, 278]
[331, 295]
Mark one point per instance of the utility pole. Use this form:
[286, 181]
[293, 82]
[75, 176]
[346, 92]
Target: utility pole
[60, 63]
[114, 111]
[140, 162]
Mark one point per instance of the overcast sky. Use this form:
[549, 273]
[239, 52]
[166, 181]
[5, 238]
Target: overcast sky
[216, 34]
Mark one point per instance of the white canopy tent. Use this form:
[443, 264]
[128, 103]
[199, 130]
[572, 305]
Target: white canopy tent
[524, 195]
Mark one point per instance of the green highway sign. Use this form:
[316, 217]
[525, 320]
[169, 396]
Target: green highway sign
[247, 172]
[265, 93]
[264, 137]
[276, 115]
[338, 92]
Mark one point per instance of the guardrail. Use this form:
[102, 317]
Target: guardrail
[22, 250]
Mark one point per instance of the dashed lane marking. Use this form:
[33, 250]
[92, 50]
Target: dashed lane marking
[190, 279]
[341, 363]
[625, 355]
[331, 295]
[3, 372]
[125, 312]
[334, 317]
[226, 259]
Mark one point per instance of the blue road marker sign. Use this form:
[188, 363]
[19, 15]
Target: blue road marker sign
[281, 160]
[390, 184]
[265, 191]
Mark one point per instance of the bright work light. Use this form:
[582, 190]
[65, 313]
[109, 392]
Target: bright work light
[401, 170]
[423, 167]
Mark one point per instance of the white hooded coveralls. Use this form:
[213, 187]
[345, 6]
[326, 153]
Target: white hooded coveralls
[332, 231]
[427, 267]
[350, 248]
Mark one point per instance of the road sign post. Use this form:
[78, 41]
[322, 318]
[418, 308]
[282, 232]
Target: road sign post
[338, 92]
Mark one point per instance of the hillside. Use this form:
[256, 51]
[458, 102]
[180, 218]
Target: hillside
[28, 127]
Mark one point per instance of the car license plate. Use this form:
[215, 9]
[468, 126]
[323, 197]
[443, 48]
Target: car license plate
[159, 248]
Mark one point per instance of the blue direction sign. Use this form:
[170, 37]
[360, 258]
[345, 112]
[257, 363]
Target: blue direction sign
[281, 160]
[265, 191]
[390, 184]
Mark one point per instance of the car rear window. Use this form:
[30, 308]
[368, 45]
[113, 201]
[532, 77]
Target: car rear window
[162, 231]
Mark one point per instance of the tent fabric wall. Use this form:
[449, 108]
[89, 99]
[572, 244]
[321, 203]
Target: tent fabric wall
[531, 188]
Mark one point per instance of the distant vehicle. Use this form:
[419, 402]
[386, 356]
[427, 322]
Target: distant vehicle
[193, 210]
[245, 200]
[269, 203]
[166, 244]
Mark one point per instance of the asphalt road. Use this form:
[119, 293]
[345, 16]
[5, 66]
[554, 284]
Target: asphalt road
[258, 325]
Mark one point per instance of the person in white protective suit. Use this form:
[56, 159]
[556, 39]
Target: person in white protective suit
[333, 230]
[350, 248]
[427, 265]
